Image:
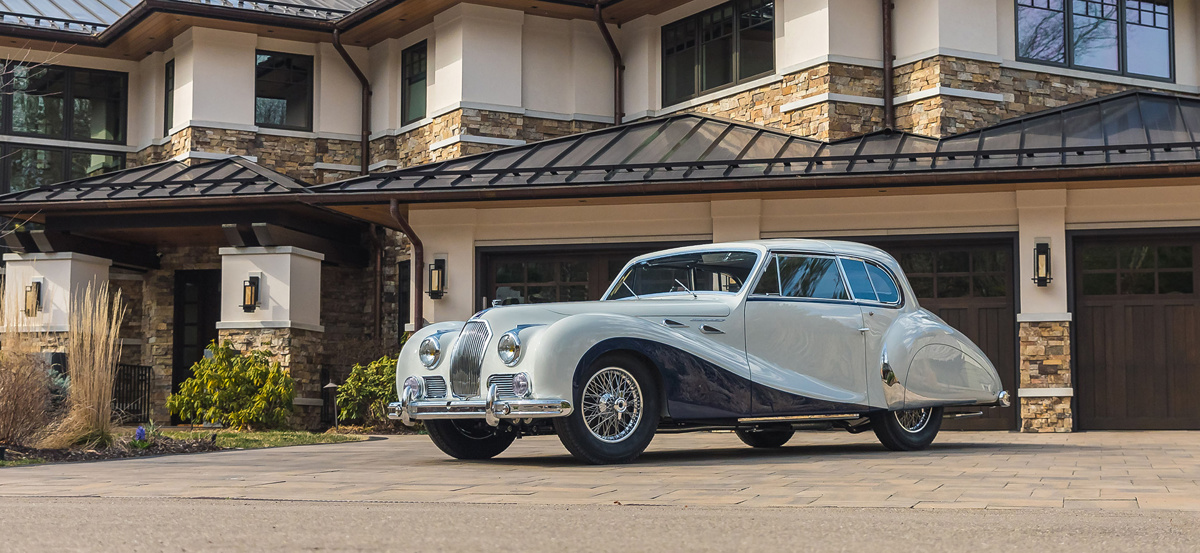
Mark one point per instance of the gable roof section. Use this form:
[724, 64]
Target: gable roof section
[1127, 128]
[170, 179]
[90, 17]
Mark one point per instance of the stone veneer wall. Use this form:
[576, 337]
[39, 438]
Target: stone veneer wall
[1045, 363]
[299, 352]
[292, 156]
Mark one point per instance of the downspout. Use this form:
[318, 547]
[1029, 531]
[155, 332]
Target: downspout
[365, 141]
[418, 257]
[618, 68]
[889, 85]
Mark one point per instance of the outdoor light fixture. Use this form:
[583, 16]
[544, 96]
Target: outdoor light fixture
[33, 298]
[333, 388]
[250, 294]
[1041, 265]
[437, 279]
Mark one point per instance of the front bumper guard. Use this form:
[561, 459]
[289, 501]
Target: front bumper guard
[410, 408]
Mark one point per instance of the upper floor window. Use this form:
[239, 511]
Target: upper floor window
[283, 91]
[1129, 37]
[169, 97]
[728, 44]
[65, 102]
[414, 64]
[27, 167]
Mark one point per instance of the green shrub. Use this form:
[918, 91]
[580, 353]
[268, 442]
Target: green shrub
[235, 390]
[368, 390]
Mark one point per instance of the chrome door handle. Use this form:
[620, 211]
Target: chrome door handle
[864, 330]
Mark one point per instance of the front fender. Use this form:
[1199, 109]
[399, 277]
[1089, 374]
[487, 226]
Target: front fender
[408, 363]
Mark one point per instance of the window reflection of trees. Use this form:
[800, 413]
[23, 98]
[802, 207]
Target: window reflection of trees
[1096, 28]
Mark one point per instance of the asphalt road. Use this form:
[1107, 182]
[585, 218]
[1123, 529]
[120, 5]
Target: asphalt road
[143, 524]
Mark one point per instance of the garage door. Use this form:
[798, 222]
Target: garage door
[1137, 355]
[970, 286]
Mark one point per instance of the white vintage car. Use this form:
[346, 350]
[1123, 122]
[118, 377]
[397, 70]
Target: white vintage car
[761, 337]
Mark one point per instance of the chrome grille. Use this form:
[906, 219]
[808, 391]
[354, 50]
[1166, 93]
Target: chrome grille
[467, 359]
[503, 382]
[435, 386]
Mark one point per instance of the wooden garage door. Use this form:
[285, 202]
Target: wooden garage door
[1137, 352]
[970, 286]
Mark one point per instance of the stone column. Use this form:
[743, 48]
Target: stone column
[1046, 384]
[286, 321]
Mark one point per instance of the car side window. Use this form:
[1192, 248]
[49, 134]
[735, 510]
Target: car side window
[806, 276]
[860, 283]
[768, 285]
[885, 287]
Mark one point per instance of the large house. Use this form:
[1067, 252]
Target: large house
[312, 176]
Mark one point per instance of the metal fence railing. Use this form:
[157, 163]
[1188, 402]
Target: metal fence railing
[131, 394]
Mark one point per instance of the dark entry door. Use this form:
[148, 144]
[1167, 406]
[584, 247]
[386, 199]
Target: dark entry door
[970, 286]
[1138, 333]
[197, 310]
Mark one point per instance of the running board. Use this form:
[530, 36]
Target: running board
[802, 418]
[962, 415]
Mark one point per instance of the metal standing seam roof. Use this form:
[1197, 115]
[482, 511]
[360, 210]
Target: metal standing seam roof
[169, 179]
[1131, 127]
[93, 16]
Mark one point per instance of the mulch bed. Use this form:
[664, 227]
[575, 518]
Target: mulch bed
[119, 450]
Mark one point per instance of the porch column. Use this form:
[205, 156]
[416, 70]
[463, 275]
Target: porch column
[285, 320]
[449, 234]
[39, 288]
[1046, 386]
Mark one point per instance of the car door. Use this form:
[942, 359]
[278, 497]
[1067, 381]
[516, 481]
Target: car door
[803, 338]
[878, 297]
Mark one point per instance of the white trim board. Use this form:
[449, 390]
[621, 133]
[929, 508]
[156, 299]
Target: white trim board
[1045, 392]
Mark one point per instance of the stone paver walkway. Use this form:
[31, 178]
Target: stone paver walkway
[1092, 470]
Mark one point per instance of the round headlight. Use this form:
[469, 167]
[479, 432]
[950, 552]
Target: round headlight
[520, 384]
[430, 351]
[412, 383]
[509, 348]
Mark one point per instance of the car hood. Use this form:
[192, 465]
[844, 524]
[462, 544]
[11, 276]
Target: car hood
[675, 307]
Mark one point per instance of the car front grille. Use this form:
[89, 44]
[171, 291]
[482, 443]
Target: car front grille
[435, 387]
[467, 359]
[504, 385]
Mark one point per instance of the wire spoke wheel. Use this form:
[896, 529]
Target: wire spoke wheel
[914, 420]
[612, 404]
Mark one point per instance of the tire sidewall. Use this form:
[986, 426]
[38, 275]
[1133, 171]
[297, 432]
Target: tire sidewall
[903, 440]
[596, 450]
[457, 443]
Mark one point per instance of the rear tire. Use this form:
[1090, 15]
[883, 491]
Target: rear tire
[616, 411]
[907, 430]
[469, 439]
[765, 438]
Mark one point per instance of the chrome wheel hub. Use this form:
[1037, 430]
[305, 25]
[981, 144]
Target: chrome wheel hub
[612, 404]
[914, 420]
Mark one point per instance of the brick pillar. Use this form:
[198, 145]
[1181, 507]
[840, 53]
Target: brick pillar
[298, 351]
[1046, 388]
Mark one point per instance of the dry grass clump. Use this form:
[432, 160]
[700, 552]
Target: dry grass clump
[24, 385]
[93, 350]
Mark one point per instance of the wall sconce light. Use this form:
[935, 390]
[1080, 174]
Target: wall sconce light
[1041, 265]
[33, 298]
[250, 294]
[437, 279]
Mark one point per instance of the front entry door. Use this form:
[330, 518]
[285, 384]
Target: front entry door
[803, 340]
[197, 310]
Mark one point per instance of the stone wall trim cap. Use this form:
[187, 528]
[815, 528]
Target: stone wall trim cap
[490, 140]
[1043, 317]
[1046, 392]
[38, 327]
[948, 91]
[313, 401]
[267, 250]
[234, 325]
[56, 256]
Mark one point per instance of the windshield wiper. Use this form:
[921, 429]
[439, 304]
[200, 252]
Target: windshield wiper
[626, 285]
[689, 290]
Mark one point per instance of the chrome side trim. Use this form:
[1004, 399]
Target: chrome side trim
[842, 417]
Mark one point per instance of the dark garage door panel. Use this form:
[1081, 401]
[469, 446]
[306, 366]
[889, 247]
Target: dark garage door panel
[1137, 360]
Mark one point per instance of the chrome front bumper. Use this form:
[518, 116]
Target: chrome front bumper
[411, 408]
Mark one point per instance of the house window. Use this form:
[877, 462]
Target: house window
[65, 103]
[1128, 37]
[169, 98]
[283, 91]
[29, 167]
[725, 45]
[414, 60]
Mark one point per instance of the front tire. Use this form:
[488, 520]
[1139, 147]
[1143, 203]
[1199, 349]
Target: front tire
[768, 439]
[616, 412]
[469, 439]
[907, 430]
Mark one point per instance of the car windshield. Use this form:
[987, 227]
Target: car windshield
[700, 272]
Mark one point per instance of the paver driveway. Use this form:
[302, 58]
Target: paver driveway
[1105, 470]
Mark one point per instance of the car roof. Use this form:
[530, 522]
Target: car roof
[785, 244]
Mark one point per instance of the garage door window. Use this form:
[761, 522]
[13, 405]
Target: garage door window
[1137, 270]
[952, 273]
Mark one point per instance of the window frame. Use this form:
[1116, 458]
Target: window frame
[772, 255]
[9, 149]
[407, 118]
[312, 101]
[8, 91]
[1122, 46]
[895, 282]
[697, 74]
[168, 96]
